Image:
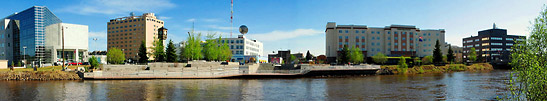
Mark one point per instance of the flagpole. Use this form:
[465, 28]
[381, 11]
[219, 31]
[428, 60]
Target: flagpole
[231, 18]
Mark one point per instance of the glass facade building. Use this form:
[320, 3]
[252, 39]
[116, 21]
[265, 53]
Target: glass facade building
[33, 22]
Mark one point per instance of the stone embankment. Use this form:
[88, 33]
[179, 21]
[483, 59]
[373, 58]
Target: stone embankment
[392, 69]
[39, 75]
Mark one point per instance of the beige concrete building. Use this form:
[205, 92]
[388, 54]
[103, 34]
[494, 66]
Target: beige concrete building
[394, 40]
[126, 33]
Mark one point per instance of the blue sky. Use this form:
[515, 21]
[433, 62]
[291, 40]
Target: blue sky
[298, 25]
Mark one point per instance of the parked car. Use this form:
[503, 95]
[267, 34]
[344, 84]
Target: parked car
[75, 63]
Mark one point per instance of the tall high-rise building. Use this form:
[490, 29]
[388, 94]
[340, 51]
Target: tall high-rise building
[35, 34]
[491, 45]
[127, 33]
[394, 40]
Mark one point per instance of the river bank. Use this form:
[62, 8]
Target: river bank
[44, 73]
[38, 75]
[424, 69]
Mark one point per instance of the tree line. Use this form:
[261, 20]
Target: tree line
[212, 49]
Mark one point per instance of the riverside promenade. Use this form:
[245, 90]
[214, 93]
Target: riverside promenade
[215, 70]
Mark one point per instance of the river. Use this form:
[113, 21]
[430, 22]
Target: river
[446, 86]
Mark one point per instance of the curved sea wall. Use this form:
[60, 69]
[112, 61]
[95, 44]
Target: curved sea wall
[39, 75]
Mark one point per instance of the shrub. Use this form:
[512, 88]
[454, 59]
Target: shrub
[402, 66]
[456, 67]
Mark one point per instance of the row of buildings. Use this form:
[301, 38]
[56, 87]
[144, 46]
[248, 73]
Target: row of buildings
[127, 33]
[405, 40]
[37, 35]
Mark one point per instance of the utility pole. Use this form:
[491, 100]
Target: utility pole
[63, 47]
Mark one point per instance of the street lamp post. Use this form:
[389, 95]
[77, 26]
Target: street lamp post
[63, 47]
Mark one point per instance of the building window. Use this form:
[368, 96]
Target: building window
[485, 38]
[347, 31]
[395, 32]
[395, 38]
[378, 32]
[404, 44]
[363, 31]
[389, 44]
[404, 49]
[396, 44]
[404, 38]
[497, 44]
[356, 31]
[339, 31]
[496, 38]
[388, 38]
[404, 33]
[388, 32]
[484, 44]
[509, 44]
[509, 39]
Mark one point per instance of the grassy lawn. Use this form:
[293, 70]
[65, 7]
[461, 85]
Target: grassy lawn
[49, 68]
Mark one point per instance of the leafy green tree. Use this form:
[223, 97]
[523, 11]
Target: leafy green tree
[472, 54]
[529, 62]
[343, 56]
[402, 66]
[437, 54]
[192, 50]
[93, 62]
[158, 51]
[143, 58]
[211, 48]
[417, 61]
[225, 52]
[115, 56]
[171, 52]
[18, 64]
[427, 59]
[450, 56]
[292, 59]
[379, 58]
[356, 56]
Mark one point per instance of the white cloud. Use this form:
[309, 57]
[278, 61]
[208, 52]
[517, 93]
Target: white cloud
[110, 7]
[191, 20]
[211, 20]
[280, 35]
[101, 34]
[221, 27]
[164, 18]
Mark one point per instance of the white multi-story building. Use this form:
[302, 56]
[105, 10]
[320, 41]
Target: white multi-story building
[76, 42]
[394, 40]
[243, 48]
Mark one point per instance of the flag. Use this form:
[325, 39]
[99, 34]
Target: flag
[420, 39]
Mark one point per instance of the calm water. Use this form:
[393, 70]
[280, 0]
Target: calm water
[449, 86]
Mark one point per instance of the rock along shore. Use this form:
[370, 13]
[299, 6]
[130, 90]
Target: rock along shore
[38, 75]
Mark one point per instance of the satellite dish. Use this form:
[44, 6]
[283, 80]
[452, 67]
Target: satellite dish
[243, 29]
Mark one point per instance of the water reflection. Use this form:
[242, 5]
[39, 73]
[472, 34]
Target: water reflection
[448, 86]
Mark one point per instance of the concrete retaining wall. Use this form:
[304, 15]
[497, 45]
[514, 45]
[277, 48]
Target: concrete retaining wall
[133, 68]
